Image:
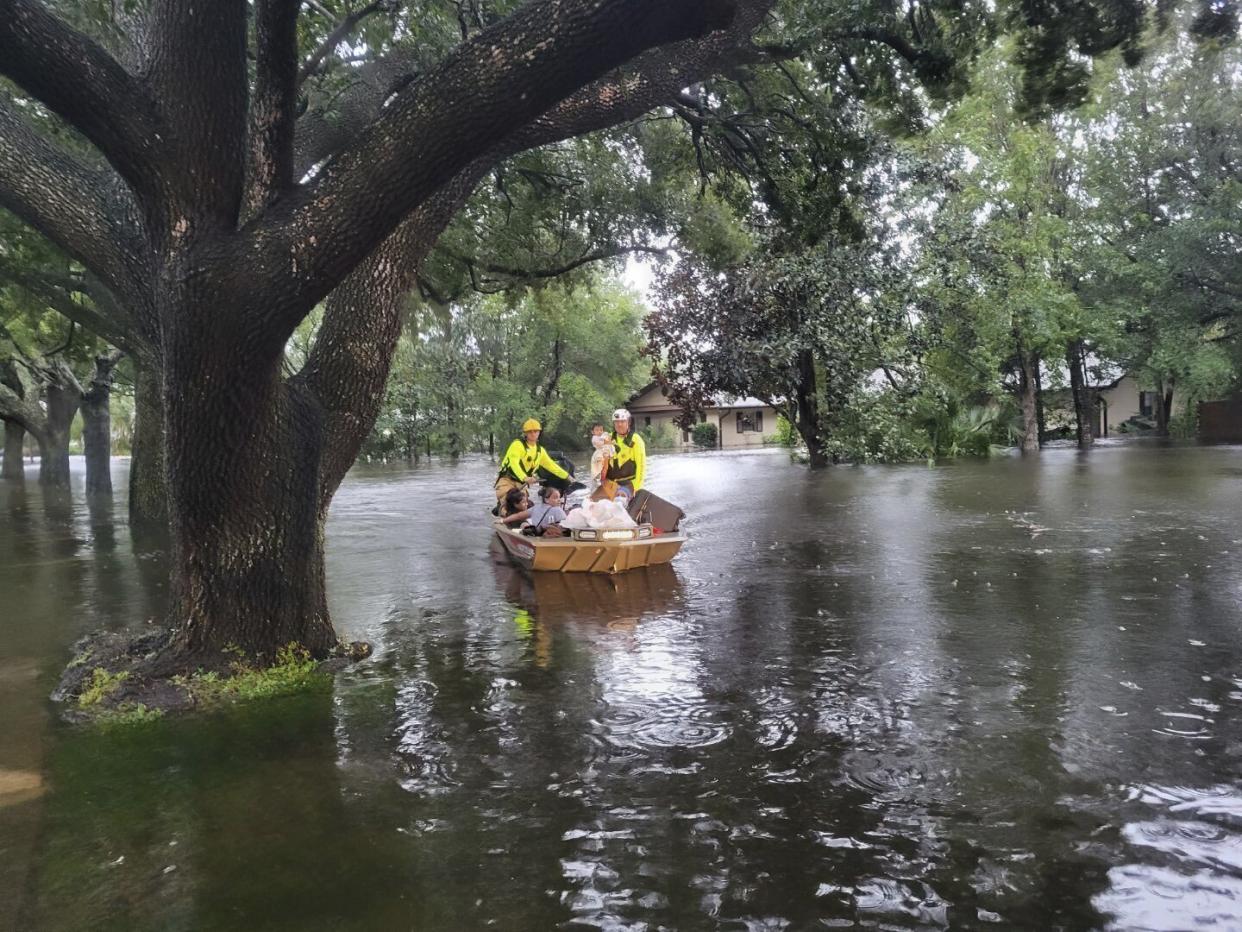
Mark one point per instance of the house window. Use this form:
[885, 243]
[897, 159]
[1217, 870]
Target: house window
[646, 422]
[749, 422]
[1147, 403]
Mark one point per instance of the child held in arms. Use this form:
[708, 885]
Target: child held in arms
[604, 451]
[546, 517]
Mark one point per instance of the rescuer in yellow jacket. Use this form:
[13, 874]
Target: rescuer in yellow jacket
[523, 457]
[628, 466]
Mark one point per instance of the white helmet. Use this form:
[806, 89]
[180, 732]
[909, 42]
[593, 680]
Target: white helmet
[621, 414]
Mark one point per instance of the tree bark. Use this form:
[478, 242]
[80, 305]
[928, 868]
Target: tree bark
[97, 425]
[1040, 418]
[246, 528]
[806, 412]
[1029, 399]
[148, 485]
[1164, 406]
[1084, 410]
[14, 440]
[63, 396]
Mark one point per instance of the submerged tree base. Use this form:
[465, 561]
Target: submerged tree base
[115, 679]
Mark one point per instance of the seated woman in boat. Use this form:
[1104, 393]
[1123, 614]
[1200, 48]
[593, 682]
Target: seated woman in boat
[547, 515]
[627, 466]
[516, 507]
[523, 457]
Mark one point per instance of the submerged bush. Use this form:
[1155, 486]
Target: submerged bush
[785, 435]
[101, 686]
[659, 436]
[294, 671]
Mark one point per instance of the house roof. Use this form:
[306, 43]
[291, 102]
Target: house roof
[719, 403]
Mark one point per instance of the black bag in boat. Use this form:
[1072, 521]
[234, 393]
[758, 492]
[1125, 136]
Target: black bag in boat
[646, 508]
[557, 482]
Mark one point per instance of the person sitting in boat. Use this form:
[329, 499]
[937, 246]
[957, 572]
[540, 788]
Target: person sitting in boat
[516, 507]
[524, 456]
[628, 464]
[546, 517]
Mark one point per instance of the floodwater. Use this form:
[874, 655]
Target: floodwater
[1001, 693]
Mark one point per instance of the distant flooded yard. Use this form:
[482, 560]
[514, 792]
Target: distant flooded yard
[1000, 692]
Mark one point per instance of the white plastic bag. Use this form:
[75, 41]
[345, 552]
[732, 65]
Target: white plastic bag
[605, 514]
[577, 519]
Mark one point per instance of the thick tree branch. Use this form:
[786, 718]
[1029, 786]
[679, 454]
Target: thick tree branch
[86, 212]
[516, 274]
[197, 70]
[102, 315]
[79, 80]
[492, 85]
[333, 120]
[272, 108]
[19, 410]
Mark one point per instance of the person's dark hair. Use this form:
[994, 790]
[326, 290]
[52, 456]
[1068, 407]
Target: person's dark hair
[546, 491]
[599, 424]
[513, 501]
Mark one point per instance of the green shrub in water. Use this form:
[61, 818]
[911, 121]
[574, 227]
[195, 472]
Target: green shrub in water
[294, 671]
[102, 685]
[659, 436]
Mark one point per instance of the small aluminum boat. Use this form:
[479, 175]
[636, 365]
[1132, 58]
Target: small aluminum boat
[591, 550]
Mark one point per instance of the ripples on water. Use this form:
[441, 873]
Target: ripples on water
[997, 694]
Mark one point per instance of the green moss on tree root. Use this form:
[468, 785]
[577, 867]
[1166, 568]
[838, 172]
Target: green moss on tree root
[101, 686]
[294, 671]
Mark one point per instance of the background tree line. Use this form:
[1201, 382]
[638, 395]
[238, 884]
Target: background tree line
[990, 261]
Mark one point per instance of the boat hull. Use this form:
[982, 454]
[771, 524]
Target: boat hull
[564, 555]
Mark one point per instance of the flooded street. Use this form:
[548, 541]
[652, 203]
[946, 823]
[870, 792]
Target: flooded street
[990, 693]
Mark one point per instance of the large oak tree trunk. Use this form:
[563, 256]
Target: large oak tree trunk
[14, 467]
[148, 487]
[247, 534]
[1028, 397]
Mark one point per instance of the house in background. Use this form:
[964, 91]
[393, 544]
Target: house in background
[1123, 401]
[740, 422]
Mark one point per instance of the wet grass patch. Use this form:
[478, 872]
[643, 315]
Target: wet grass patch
[294, 671]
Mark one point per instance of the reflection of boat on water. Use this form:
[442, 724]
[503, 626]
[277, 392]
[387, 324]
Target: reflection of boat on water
[560, 597]
[656, 539]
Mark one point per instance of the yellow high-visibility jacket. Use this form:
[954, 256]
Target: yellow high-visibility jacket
[521, 460]
[629, 463]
